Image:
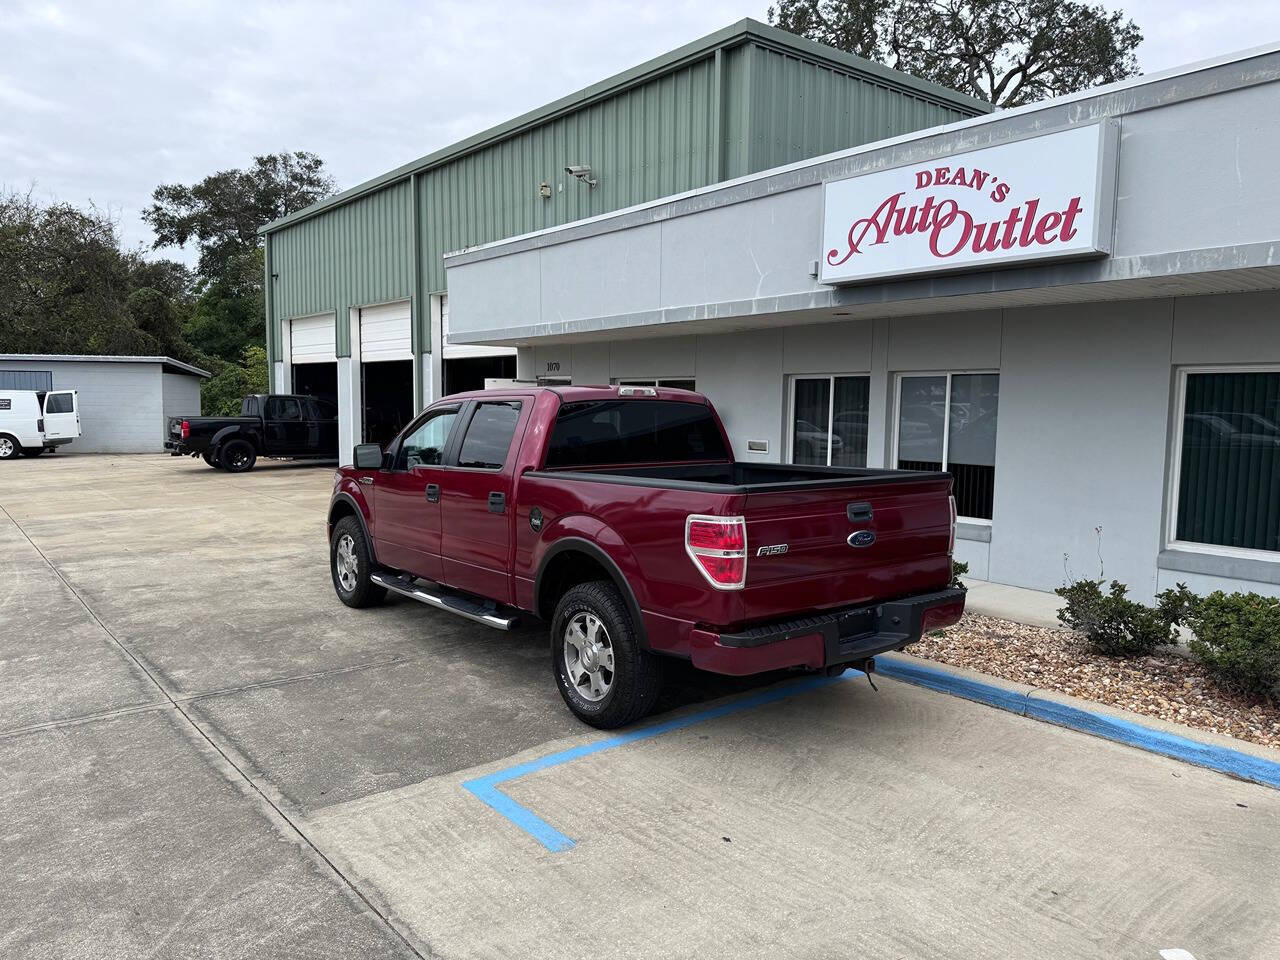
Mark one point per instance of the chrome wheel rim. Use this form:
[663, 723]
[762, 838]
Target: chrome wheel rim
[345, 564]
[588, 656]
[6, 448]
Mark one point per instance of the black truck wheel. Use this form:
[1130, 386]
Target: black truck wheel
[605, 676]
[351, 565]
[238, 456]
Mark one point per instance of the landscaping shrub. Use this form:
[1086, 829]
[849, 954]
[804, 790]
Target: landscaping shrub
[958, 570]
[1113, 624]
[1237, 637]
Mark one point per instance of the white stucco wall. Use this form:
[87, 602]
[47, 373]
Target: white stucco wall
[1085, 423]
[122, 405]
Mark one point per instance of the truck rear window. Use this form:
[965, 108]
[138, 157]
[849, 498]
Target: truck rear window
[602, 432]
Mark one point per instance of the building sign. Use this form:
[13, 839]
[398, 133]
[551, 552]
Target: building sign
[1048, 197]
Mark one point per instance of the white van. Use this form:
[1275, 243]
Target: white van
[33, 421]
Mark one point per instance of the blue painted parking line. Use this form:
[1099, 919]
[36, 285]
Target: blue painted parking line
[1246, 766]
[486, 787]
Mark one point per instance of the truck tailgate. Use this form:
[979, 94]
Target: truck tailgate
[844, 544]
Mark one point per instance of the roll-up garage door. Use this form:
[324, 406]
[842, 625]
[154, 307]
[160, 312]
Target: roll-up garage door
[312, 339]
[384, 332]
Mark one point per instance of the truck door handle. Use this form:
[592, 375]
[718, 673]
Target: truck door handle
[497, 503]
[858, 512]
[433, 493]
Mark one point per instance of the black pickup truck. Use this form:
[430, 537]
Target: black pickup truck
[269, 425]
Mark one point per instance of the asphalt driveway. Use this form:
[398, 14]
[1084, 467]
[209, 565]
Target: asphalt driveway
[203, 753]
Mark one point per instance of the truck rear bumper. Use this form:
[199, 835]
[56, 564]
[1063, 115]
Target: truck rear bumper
[841, 636]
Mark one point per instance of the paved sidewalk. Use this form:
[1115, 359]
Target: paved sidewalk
[1018, 604]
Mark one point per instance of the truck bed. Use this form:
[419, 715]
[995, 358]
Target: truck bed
[738, 477]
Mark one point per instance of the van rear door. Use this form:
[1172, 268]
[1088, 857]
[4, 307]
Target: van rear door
[61, 415]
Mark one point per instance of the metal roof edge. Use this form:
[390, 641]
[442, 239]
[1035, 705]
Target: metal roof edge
[466, 254]
[729, 36]
[96, 358]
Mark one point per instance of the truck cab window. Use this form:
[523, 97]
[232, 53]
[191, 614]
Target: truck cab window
[284, 408]
[604, 432]
[489, 435]
[424, 447]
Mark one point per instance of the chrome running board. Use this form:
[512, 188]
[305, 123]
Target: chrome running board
[433, 595]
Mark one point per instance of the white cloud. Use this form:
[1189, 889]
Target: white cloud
[103, 101]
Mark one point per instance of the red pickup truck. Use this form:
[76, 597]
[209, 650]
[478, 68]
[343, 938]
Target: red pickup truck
[619, 516]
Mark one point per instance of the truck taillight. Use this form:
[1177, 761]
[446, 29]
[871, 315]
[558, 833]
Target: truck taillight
[951, 543]
[186, 430]
[39, 424]
[718, 548]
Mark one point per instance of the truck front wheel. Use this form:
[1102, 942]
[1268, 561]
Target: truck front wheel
[605, 676]
[351, 565]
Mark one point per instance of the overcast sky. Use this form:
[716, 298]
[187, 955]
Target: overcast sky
[103, 101]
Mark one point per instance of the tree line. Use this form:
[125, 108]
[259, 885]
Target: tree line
[67, 285]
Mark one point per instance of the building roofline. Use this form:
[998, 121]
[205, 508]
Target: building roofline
[177, 365]
[730, 36]
[485, 250]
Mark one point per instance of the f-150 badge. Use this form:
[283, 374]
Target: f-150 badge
[772, 550]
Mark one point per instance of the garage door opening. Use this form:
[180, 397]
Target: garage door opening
[387, 388]
[316, 380]
[469, 373]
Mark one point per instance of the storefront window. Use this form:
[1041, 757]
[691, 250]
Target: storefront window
[947, 421]
[829, 420]
[1229, 460]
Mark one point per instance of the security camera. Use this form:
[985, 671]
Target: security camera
[581, 171]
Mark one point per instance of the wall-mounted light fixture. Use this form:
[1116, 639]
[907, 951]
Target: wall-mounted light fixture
[544, 190]
[582, 172]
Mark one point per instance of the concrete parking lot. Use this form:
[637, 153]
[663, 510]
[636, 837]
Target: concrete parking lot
[204, 754]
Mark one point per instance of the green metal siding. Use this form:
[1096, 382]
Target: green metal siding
[710, 114]
[643, 143]
[357, 254]
[798, 109]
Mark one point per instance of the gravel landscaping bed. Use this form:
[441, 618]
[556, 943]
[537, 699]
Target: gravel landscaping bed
[1167, 685]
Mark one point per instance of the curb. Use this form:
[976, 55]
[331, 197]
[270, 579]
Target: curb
[1025, 703]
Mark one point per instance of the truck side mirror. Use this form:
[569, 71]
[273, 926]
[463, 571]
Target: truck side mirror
[368, 456]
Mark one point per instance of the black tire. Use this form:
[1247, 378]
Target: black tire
[635, 680]
[211, 459]
[9, 448]
[32, 451]
[363, 592]
[238, 456]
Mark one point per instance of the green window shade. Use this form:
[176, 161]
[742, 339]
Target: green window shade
[1229, 477]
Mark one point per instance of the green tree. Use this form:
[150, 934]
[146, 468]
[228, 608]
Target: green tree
[1007, 52]
[220, 215]
[66, 287]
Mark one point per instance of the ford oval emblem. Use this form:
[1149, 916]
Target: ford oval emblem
[862, 538]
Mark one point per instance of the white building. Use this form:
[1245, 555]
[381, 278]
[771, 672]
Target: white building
[123, 401]
[1086, 331]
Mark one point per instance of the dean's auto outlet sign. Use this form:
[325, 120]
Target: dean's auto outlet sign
[1047, 197]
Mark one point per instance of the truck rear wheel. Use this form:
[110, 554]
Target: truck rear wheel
[605, 676]
[351, 565]
[238, 456]
[8, 447]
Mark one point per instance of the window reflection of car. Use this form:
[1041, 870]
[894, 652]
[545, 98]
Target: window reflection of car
[1233, 429]
[811, 440]
[850, 428]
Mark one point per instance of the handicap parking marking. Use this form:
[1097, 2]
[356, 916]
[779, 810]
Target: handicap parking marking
[486, 787]
[1176, 953]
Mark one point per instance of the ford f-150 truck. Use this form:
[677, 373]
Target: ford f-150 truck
[270, 425]
[619, 516]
